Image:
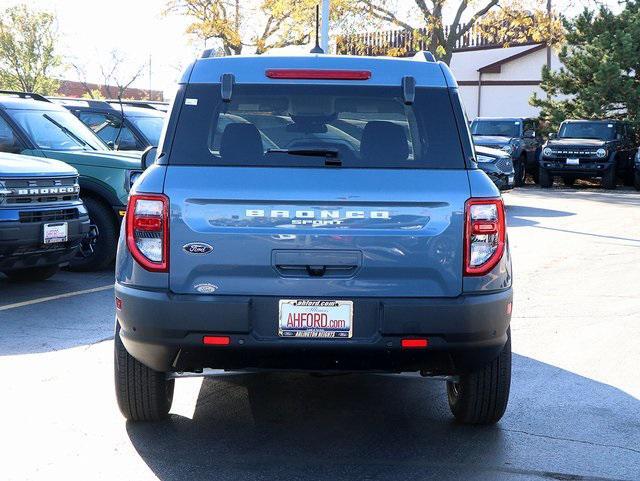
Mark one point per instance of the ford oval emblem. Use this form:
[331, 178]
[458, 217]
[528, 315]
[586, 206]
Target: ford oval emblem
[197, 248]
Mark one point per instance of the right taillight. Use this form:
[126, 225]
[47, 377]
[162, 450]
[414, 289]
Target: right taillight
[148, 231]
[485, 233]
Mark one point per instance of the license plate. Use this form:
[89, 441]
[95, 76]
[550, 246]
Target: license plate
[511, 179]
[57, 232]
[573, 161]
[315, 318]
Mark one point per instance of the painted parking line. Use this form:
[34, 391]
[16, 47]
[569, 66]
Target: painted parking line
[53, 298]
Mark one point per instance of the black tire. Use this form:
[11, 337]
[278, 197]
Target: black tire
[520, 170]
[545, 178]
[609, 179]
[97, 253]
[568, 180]
[636, 180]
[629, 178]
[32, 274]
[142, 393]
[481, 397]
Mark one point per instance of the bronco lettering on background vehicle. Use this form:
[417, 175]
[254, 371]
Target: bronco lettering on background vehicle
[350, 227]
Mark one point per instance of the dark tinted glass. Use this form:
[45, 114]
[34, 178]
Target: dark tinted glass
[309, 125]
[587, 130]
[496, 128]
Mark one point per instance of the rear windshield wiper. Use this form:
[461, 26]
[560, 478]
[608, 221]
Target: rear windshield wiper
[330, 155]
[65, 130]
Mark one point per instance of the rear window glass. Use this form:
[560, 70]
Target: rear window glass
[316, 125]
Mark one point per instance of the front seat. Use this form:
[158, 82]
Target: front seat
[241, 143]
[384, 142]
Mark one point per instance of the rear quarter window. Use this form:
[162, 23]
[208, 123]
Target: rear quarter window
[299, 125]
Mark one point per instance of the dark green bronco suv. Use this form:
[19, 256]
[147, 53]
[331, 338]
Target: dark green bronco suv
[31, 124]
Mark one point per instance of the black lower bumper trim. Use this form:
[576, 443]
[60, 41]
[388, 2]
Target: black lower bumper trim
[165, 331]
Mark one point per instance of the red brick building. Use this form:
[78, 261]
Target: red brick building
[72, 88]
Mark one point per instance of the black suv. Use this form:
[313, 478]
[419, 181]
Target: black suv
[589, 148]
[126, 125]
[516, 136]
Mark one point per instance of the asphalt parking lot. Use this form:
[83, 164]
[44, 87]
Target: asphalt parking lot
[574, 412]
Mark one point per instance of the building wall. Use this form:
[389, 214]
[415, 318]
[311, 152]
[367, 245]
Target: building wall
[503, 94]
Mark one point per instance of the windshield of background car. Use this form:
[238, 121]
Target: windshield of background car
[496, 128]
[587, 130]
[151, 127]
[304, 125]
[56, 130]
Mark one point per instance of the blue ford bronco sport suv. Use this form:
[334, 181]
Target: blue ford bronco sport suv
[320, 213]
[42, 219]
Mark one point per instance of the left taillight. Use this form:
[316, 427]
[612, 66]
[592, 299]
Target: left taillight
[148, 231]
[485, 233]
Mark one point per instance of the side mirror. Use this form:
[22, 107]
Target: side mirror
[148, 157]
[529, 134]
[552, 135]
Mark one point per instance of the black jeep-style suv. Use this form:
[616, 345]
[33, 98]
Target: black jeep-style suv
[589, 148]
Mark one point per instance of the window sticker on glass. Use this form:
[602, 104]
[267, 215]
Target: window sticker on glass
[610, 126]
[517, 123]
[191, 101]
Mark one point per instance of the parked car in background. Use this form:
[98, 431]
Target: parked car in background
[42, 219]
[497, 165]
[33, 125]
[340, 225]
[517, 136]
[589, 148]
[125, 125]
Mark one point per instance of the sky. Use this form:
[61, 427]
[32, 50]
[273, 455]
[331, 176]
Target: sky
[90, 29]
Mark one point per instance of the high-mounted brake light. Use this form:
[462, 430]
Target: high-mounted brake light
[216, 340]
[412, 343]
[147, 229]
[485, 233]
[316, 74]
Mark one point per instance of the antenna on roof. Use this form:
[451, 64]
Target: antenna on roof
[317, 48]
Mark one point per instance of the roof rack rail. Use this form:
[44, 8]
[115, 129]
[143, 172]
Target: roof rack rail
[144, 104]
[208, 52]
[25, 95]
[424, 56]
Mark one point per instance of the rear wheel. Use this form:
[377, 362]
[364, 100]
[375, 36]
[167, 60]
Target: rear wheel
[481, 397]
[520, 169]
[142, 393]
[568, 180]
[32, 273]
[636, 181]
[98, 249]
[545, 178]
[609, 179]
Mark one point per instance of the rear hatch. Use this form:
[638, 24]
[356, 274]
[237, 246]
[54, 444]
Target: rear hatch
[329, 232]
[341, 192]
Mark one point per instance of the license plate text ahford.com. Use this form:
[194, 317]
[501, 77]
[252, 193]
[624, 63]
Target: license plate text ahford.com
[315, 318]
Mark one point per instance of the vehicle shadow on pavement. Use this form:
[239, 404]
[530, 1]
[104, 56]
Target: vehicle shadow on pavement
[519, 215]
[367, 427]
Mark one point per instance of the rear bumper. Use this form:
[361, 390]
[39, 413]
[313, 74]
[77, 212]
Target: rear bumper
[21, 244]
[584, 169]
[502, 181]
[164, 331]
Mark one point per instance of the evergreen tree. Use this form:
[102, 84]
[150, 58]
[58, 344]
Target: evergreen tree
[600, 77]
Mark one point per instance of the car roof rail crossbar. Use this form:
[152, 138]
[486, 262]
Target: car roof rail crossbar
[25, 95]
[145, 104]
[424, 56]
